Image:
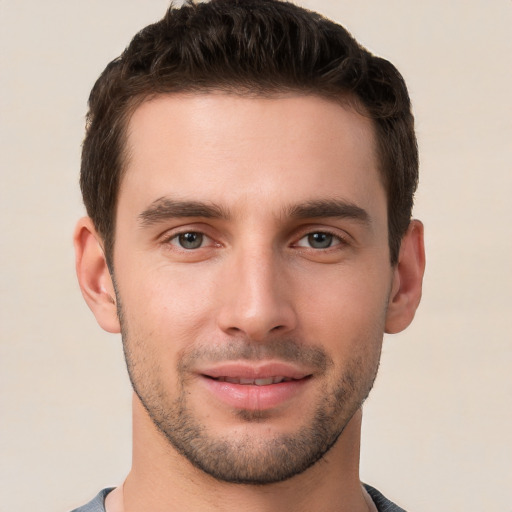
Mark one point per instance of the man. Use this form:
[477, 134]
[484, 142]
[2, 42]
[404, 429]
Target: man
[248, 172]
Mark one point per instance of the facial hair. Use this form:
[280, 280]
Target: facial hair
[245, 458]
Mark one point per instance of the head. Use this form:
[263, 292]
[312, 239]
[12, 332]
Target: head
[250, 48]
[249, 172]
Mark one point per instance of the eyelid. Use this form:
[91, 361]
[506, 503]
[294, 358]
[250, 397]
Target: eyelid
[174, 240]
[341, 236]
[169, 235]
[337, 241]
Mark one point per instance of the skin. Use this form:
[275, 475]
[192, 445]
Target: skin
[258, 280]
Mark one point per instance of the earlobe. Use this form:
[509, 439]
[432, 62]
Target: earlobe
[94, 276]
[407, 281]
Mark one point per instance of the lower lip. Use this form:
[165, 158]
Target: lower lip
[252, 397]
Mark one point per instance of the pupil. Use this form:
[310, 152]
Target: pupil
[191, 240]
[320, 240]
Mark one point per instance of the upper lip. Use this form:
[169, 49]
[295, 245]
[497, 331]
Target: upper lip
[261, 370]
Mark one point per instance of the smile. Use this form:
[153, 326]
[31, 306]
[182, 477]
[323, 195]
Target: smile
[255, 382]
[263, 386]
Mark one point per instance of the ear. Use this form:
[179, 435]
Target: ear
[94, 277]
[407, 280]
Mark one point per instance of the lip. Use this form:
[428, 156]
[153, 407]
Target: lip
[254, 371]
[252, 396]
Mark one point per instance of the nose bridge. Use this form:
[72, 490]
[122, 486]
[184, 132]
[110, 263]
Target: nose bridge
[256, 300]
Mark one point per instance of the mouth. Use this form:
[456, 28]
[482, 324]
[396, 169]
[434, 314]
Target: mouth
[255, 387]
[253, 382]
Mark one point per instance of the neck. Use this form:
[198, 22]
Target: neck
[162, 480]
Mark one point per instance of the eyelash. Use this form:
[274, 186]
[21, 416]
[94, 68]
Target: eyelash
[176, 236]
[335, 240]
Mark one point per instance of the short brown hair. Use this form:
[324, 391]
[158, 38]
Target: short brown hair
[257, 47]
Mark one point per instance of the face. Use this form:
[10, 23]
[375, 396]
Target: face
[252, 276]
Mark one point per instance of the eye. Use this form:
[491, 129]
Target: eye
[189, 240]
[319, 240]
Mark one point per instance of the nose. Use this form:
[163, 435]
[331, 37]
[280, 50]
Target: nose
[256, 296]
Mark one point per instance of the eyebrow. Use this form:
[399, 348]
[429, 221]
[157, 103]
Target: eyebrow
[165, 208]
[329, 208]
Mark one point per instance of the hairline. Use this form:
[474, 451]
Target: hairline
[346, 99]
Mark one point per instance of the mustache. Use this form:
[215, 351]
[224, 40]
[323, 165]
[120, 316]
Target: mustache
[286, 350]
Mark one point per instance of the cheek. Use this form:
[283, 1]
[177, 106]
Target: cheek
[346, 308]
[167, 303]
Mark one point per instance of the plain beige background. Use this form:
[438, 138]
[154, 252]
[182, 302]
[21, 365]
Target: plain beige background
[438, 426]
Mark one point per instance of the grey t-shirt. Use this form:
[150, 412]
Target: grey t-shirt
[382, 503]
[97, 504]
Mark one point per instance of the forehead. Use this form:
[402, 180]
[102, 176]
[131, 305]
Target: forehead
[219, 146]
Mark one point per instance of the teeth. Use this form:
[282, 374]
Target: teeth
[258, 382]
[263, 382]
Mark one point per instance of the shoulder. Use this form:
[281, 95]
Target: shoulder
[381, 502]
[97, 504]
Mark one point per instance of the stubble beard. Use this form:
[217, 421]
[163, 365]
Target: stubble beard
[245, 459]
